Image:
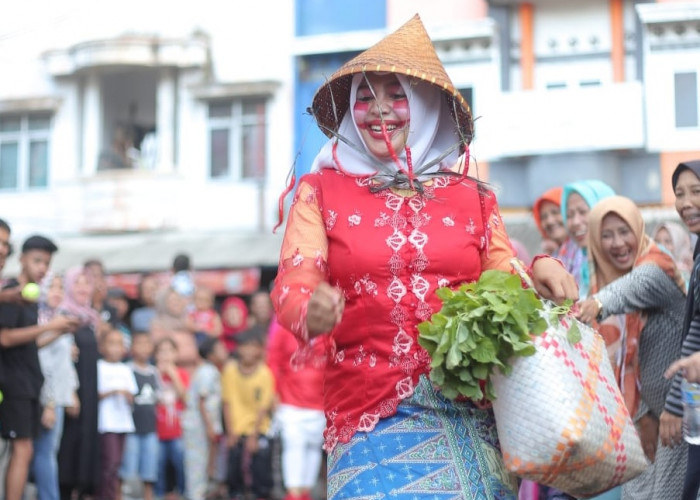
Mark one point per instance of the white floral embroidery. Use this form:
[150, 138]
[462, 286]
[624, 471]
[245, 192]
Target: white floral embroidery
[471, 227]
[330, 221]
[402, 343]
[416, 204]
[393, 202]
[404, 388]
[419, 286]
[382, 220]
[363, 182]
[396, 290]
[373, 360]
[354, 220]
[297, 259]
[359, 357]
[396, 240]
[443, 282]
[283, 294]
[370, 286]
[367, 422]
[448, 221]
[340, 356]
[418, 239]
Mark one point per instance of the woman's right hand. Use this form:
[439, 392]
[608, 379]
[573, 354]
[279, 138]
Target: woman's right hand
[325, 309]
[670, 429]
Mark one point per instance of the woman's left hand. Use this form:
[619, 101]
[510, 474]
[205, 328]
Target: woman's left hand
[552, 281]
[588, 310]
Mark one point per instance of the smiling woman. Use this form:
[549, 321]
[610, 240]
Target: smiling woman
[618, 242]
[633, 279]
[387, 216]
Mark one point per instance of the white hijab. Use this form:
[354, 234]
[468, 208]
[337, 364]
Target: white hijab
[432, 132]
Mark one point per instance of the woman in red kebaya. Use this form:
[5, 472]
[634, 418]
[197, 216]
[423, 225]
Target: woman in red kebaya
[387, 217]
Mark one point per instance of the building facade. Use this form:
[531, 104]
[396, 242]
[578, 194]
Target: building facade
[561, 90]
[137, 130]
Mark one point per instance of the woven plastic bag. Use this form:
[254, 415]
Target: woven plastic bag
[561, 418]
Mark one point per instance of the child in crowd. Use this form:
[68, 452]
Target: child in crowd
[116, 387]
[174, 382]
[201, 421]
[248, 394]
[203, 320]
[141, 450]
[119, 302]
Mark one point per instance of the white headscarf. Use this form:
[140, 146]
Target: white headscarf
[432, 132]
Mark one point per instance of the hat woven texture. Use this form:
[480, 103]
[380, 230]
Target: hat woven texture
[408, 51]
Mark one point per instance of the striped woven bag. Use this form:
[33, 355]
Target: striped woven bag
[561, 418]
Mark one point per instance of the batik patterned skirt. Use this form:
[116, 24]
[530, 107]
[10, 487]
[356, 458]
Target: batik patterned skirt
[433, 448]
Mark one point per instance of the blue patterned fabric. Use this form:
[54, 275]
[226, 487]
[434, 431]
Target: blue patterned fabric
[433, 448]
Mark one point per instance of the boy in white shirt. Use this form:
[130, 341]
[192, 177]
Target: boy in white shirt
[116, 387]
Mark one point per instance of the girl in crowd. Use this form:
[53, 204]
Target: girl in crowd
[577, 200]
[234, 319]
[632, 277]
[57, 394]
[548, 218]
[388, 216]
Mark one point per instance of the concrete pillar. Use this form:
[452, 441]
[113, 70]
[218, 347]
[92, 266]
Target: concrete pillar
[166, 122]
[93, 140]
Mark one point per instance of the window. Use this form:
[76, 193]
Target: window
[686, 97]
[24, 151]
[237, 139]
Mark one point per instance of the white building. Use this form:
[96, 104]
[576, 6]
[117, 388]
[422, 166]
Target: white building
[133, 130]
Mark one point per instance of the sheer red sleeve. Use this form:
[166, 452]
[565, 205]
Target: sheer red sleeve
[303, 257]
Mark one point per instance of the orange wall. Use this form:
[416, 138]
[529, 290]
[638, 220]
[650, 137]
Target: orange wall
[527, 45]
[434, 12]
[669, 162]
[617, 36]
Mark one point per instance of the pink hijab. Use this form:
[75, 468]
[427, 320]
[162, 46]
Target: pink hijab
[70, 305]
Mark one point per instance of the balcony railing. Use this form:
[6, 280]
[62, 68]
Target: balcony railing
[534, 122]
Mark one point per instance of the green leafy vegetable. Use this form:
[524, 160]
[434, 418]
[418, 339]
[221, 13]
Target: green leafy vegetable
[481, 326]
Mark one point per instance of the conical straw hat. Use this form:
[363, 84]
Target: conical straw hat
[408, 51]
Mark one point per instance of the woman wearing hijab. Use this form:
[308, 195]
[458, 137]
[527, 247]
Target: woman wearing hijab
[686, 186]
[578, 198]
[387, 216]
[632, 276]
[674, 238]
[234, 318]
[548, 217]
[79, 452]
